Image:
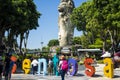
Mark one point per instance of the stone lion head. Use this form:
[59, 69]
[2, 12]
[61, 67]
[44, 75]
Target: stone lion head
[65, 7]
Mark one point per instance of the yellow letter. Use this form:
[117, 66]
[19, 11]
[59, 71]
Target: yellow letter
[26, 65]
[108, 69]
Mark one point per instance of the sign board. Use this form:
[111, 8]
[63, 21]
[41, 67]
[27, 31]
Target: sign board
[65, 50]
[89, 50]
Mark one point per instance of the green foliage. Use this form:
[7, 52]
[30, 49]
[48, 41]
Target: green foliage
[58, 50]
[77, 40]
[20, 57]
[80, 63]
[97, 44]
[53, 42]
[15, 55]
[44, 55]
[17, 17]
[98, 41]
[98, 19]
[100, 61]
[28, 56]
[45, 49]
[84, 41]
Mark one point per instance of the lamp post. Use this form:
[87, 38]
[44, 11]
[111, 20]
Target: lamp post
[41, 45]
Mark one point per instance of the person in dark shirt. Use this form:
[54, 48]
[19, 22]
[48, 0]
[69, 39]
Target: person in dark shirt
[1, 67]
[8, 64]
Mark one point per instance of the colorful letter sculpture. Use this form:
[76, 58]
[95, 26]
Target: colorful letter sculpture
[26, 65]
[108, 69]
[44, 62]
[90, 70]
[72, 66]
[55, 64]
[14, 68]
[14, 59]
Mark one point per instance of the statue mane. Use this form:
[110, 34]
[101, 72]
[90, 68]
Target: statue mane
[66, 28]
[65, 7]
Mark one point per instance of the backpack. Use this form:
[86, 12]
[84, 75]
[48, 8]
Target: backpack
[64, 65]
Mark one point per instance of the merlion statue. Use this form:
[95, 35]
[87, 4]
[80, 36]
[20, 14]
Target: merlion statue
[66, 28]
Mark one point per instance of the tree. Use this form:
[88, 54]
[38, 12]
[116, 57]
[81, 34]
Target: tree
[17, 17]
[109, 17]
[6, 16]
[77, 40]
[46, 49]
[53, 42]
[83, 18]
[99, 19]
[28, 17]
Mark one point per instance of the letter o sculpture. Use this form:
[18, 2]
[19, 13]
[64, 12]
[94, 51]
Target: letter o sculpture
[44, 66]
[75, 66]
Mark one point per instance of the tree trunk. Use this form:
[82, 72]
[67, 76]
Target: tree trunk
[15, 45]
[1, 36]
[21, 40]
[112, 42]
[25, 41]
[104, 48]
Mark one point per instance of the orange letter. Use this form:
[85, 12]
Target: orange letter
[14, 68]
[90, 70]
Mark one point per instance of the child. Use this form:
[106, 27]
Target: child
[70, 69]
[50, 67]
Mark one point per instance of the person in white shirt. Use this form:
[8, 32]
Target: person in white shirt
[34, 64]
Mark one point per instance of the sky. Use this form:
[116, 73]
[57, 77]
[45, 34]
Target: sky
[48, 23]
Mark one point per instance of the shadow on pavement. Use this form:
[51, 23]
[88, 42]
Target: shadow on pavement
[96, 75]
[79, 74]
[116, 76]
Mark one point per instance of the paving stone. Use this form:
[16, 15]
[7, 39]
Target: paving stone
[99, 75]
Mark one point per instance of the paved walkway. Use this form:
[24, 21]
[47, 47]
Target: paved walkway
[80, 75]
[99, 75]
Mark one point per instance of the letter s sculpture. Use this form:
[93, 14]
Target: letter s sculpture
[90, 70]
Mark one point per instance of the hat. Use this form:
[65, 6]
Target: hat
[106, 54]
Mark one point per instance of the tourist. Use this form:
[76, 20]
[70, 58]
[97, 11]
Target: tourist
[1, 67]
[71, 67]
[63, 64]
[8, 64]
[34, 64]
[50, 67]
